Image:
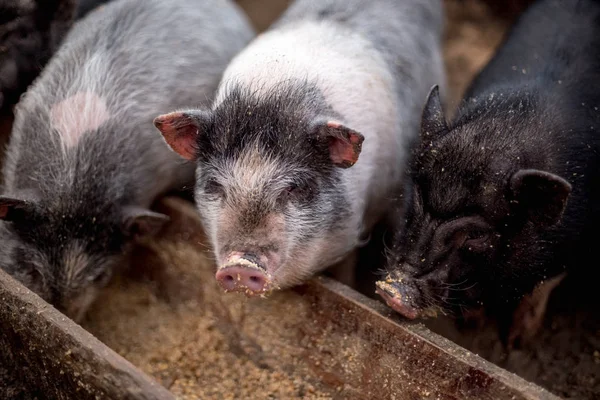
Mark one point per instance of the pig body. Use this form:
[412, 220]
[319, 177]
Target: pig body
[84, 163]
[505, 196]
[281, 187]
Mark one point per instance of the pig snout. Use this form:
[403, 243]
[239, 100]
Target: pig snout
[399, 296]
[410, 296]
[244, 273]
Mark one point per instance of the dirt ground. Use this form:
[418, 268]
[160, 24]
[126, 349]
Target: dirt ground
[173, 333]
[565, 358]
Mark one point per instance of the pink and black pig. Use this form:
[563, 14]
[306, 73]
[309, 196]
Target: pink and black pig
[307, 139]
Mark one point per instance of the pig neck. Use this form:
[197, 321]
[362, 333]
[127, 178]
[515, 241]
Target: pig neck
[356, 85]
[532, 128]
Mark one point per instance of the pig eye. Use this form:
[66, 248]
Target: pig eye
[102, 278]
[292, 188]
[285, 194]
[296, 191]
[289, 192]
[213, 187]
[477, 240]
[34, 274]
[476, 234]
[30, 275]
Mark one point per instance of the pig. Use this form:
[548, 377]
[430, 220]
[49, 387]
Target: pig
[30, 32]
[281, 189]
[84, 163]
[85, 6]
[503, 199]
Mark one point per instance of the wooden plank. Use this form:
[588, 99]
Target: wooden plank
[346, 340]
[406, 355]
[59, 357]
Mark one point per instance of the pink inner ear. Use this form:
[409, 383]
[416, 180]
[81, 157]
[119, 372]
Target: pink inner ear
[179, 132]
[344, 153]
[3, 212]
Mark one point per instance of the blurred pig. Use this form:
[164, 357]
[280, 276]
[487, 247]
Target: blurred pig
[30, 32]
[85, 6]
[505, 197]
[84, 162]
[307, 137]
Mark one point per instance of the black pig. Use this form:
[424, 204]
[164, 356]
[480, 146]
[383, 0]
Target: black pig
[505, 196]
[30, 32]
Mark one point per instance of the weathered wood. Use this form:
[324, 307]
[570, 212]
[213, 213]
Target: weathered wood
[59, 357]
[403, 360]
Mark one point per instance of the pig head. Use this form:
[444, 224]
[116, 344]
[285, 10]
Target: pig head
[268, 187]
[64, 253]
[478, 206]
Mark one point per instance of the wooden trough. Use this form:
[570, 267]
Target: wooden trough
[347, 344]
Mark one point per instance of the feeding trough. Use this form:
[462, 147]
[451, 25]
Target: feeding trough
[322, 339]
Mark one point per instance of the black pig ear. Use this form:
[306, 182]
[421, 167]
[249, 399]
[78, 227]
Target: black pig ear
[62, 12]
[12, 209]
[433, 120]
[181, 130]
[541, 195]
[344, 143]
[139, 222]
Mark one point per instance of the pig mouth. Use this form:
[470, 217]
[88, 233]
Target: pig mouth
[403, 296]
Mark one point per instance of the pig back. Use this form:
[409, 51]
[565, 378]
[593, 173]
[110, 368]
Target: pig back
[407, 34]
[91, 110]
[552, 46]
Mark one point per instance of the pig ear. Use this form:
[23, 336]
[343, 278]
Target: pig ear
[344, 143]
[12, 209]
[181, 130]
[139, 222]
[433, 120]
[62, 11]
[541, 195]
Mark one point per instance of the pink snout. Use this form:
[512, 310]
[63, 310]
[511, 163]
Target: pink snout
[238, 278]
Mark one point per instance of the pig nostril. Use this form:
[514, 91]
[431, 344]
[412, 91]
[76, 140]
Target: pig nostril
[241, 278]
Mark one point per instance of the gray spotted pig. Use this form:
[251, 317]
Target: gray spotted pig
[84, 163]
